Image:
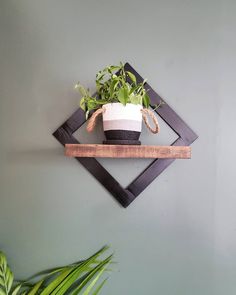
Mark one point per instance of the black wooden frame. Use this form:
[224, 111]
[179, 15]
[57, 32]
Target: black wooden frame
[64, 134]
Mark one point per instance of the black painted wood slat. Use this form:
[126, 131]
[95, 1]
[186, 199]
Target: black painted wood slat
[64, 134]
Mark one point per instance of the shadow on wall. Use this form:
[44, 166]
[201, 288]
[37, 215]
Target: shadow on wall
[37, 156]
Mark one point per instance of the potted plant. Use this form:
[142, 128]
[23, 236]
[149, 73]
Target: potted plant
[123, 103]
[82, 277]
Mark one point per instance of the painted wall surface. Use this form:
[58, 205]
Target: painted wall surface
[179, 236]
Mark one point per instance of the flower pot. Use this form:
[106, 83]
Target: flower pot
[122, 124]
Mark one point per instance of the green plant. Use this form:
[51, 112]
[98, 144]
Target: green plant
[77, 278]
[114, 87]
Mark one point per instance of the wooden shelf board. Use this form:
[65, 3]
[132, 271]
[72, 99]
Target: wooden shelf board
[127, 151]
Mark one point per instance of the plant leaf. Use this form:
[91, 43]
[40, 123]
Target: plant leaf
[71, 274]
[76, 274]
[87, 115]
[35, 288]
[146, 100]
[81, 89]
[16, 289]
[91, 103]
[123, 95]
[82, 104]
[94, 281]
[58, 281]
[99, 77]
[99, 287]
[113, 86]
[91, 274]
[132, 77]
[135, 99]
[55, 283]
[6, 276]
[144, 81]
[113, 68]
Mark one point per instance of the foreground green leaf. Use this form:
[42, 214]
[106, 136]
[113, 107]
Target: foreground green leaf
[91, 275]
[79, 272]
[99, 287]
[94, 281]
[16, 289]
[35, 289]
[70, 279]
[6, 276]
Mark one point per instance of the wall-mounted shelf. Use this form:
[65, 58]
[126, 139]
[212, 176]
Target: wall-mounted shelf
[127, 151]
[126, 195]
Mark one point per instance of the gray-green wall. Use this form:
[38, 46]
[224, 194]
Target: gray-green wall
[179, 236]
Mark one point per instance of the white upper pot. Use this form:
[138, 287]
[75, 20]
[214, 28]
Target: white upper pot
[116, 116]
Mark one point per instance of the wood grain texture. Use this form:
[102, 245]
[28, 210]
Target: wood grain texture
[127, 151]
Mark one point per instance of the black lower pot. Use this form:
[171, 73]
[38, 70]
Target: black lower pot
[123, 137]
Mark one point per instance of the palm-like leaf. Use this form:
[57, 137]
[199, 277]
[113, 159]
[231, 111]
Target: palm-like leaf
[71, 279]
[6, 276]
[99, 287]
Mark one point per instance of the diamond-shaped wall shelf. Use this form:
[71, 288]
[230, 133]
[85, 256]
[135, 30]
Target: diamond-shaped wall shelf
[64, 134]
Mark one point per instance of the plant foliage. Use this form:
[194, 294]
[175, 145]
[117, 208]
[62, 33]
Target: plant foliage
[6, 276]
[78, 278]
[114, 84]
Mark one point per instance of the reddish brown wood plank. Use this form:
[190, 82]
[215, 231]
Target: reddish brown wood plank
[127, 151]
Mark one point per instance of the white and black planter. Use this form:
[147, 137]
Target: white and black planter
[122, 124]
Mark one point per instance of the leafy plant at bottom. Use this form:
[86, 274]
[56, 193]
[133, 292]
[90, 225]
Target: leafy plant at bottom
[6, 276]
[78, 278]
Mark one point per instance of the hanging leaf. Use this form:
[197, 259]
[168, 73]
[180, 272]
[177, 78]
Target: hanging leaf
[136, 99]
[114, 68]
[132, 77]
[113, 86]
[100, 77]
[86, 115]
[91, 103]
[82, 104]
[123, 95]
[144, 81]
[146, 100]
[81, 89]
